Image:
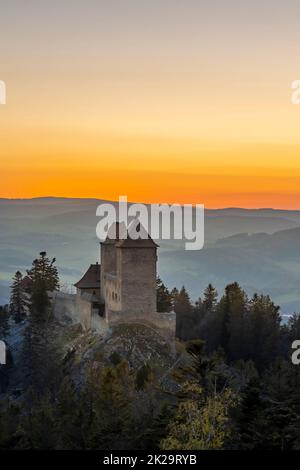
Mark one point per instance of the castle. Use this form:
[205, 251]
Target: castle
[122, 289]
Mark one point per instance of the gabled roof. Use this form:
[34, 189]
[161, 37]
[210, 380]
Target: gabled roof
[115, 232]
[123, 237]
[139, 243]
[91, 279]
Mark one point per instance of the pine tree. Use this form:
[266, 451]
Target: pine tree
[44, 278]
[44, 269]
[4, 326]
[263, 331]
[69, 417]
[106, 402]
[9, 421]
[39, 348]
[184, 315]
[37, 428]
[210, 298]
[174, 292]
[249, 419]
[164, 298]
[5, 369]
[18, 299]
[282, 399]
[233, 309]
[40, 358]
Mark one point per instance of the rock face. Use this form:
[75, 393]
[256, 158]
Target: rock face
[77, 350]
[137, 344]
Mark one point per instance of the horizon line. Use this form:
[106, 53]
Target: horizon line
[146, 203]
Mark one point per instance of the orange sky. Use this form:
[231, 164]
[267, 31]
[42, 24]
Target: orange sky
[191, 104]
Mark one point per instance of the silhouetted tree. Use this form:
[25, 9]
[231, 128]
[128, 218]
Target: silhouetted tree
[4, 326]
[210, 298]
[18, 299]
[39, 348]
[44, 278]
[262, 331]
[232, 309]
[164, 298]
[184, 314]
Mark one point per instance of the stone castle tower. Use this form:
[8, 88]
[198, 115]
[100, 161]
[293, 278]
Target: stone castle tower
[128, 275]
[123, 288]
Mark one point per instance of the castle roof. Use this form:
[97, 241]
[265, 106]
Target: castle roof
[124, 237]
[139, 243]
[115, 232]
[91, 279]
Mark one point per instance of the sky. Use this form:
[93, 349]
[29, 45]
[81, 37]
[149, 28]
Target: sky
[180, 101]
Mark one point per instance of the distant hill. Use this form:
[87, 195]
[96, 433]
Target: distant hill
[258, 248]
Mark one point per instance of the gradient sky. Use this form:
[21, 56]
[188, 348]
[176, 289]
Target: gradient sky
[162, 101]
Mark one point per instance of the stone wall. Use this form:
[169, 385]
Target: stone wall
[64, 307]
[112, 292]
[99, 324]
[108, 263]
[78, 309]
[84, 309]
[91, 291]
[163, 323]
[136, 269]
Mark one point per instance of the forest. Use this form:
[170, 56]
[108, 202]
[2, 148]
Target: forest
[235, 384]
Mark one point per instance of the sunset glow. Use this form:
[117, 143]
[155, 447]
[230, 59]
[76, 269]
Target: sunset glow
[161, 101]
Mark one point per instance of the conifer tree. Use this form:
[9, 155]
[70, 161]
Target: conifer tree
[184, 314]
[4, 326]
[164, 298]
[210, 298]
[39, 348]
[18, 299]
[44, 269]
[69, 416]
[44, 278]
[233, 308]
